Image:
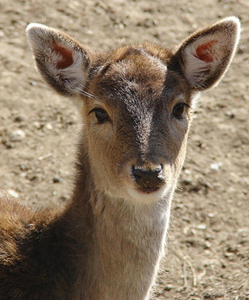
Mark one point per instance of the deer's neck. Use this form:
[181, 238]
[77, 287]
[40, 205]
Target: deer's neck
[129, 243]
[124, 242]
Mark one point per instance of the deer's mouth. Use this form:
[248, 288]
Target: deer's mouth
[148, 189]
[147, 195]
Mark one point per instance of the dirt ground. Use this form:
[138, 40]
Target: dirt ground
[208, 242]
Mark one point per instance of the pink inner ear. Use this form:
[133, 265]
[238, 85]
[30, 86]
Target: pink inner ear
[67, 56]
[205, 51]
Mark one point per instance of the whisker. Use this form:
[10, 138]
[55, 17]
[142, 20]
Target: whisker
[84, 93]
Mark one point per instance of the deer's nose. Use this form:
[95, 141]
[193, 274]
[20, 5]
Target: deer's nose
[148, 180]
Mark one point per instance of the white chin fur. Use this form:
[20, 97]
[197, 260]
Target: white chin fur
[146, 198]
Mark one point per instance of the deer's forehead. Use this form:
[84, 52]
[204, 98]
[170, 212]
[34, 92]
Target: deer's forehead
[137, 74]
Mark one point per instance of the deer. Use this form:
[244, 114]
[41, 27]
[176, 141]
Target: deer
[137, 104]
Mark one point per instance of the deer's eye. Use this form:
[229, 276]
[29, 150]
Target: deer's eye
[101, 115]
[178, 110]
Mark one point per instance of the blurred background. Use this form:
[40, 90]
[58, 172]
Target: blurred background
[208, 243]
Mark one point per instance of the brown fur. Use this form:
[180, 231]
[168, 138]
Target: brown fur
[137, 104]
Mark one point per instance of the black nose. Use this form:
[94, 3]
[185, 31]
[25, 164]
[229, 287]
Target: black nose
[148, 180]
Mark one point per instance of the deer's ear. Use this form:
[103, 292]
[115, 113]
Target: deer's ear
[60, 59]
[206, 54]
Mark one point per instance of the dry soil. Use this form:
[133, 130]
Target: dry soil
[208, 242]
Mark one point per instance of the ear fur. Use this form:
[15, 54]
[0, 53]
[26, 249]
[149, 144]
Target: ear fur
[206, 55]
[60, 59]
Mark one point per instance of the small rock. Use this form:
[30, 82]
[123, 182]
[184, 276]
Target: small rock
[211, 215]
[17, 135]
[7, 144]
[13, 193]
[230, 115]
[168, 288]
[49, 126]
[240, 50]
[201, 226]
[34, 177]
[56, 179]
[19, 119]
[207, 245]
[32, 82]
[65, 198]
[213, 296]
[216, 166]
[37, 125]
[23, 167]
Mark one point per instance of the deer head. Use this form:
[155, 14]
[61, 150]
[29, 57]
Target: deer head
[137, 102]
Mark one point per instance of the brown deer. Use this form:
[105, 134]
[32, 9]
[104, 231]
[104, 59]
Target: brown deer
[137, 104]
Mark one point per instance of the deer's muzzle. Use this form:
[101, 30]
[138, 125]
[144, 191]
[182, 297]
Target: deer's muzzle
[148, 180]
